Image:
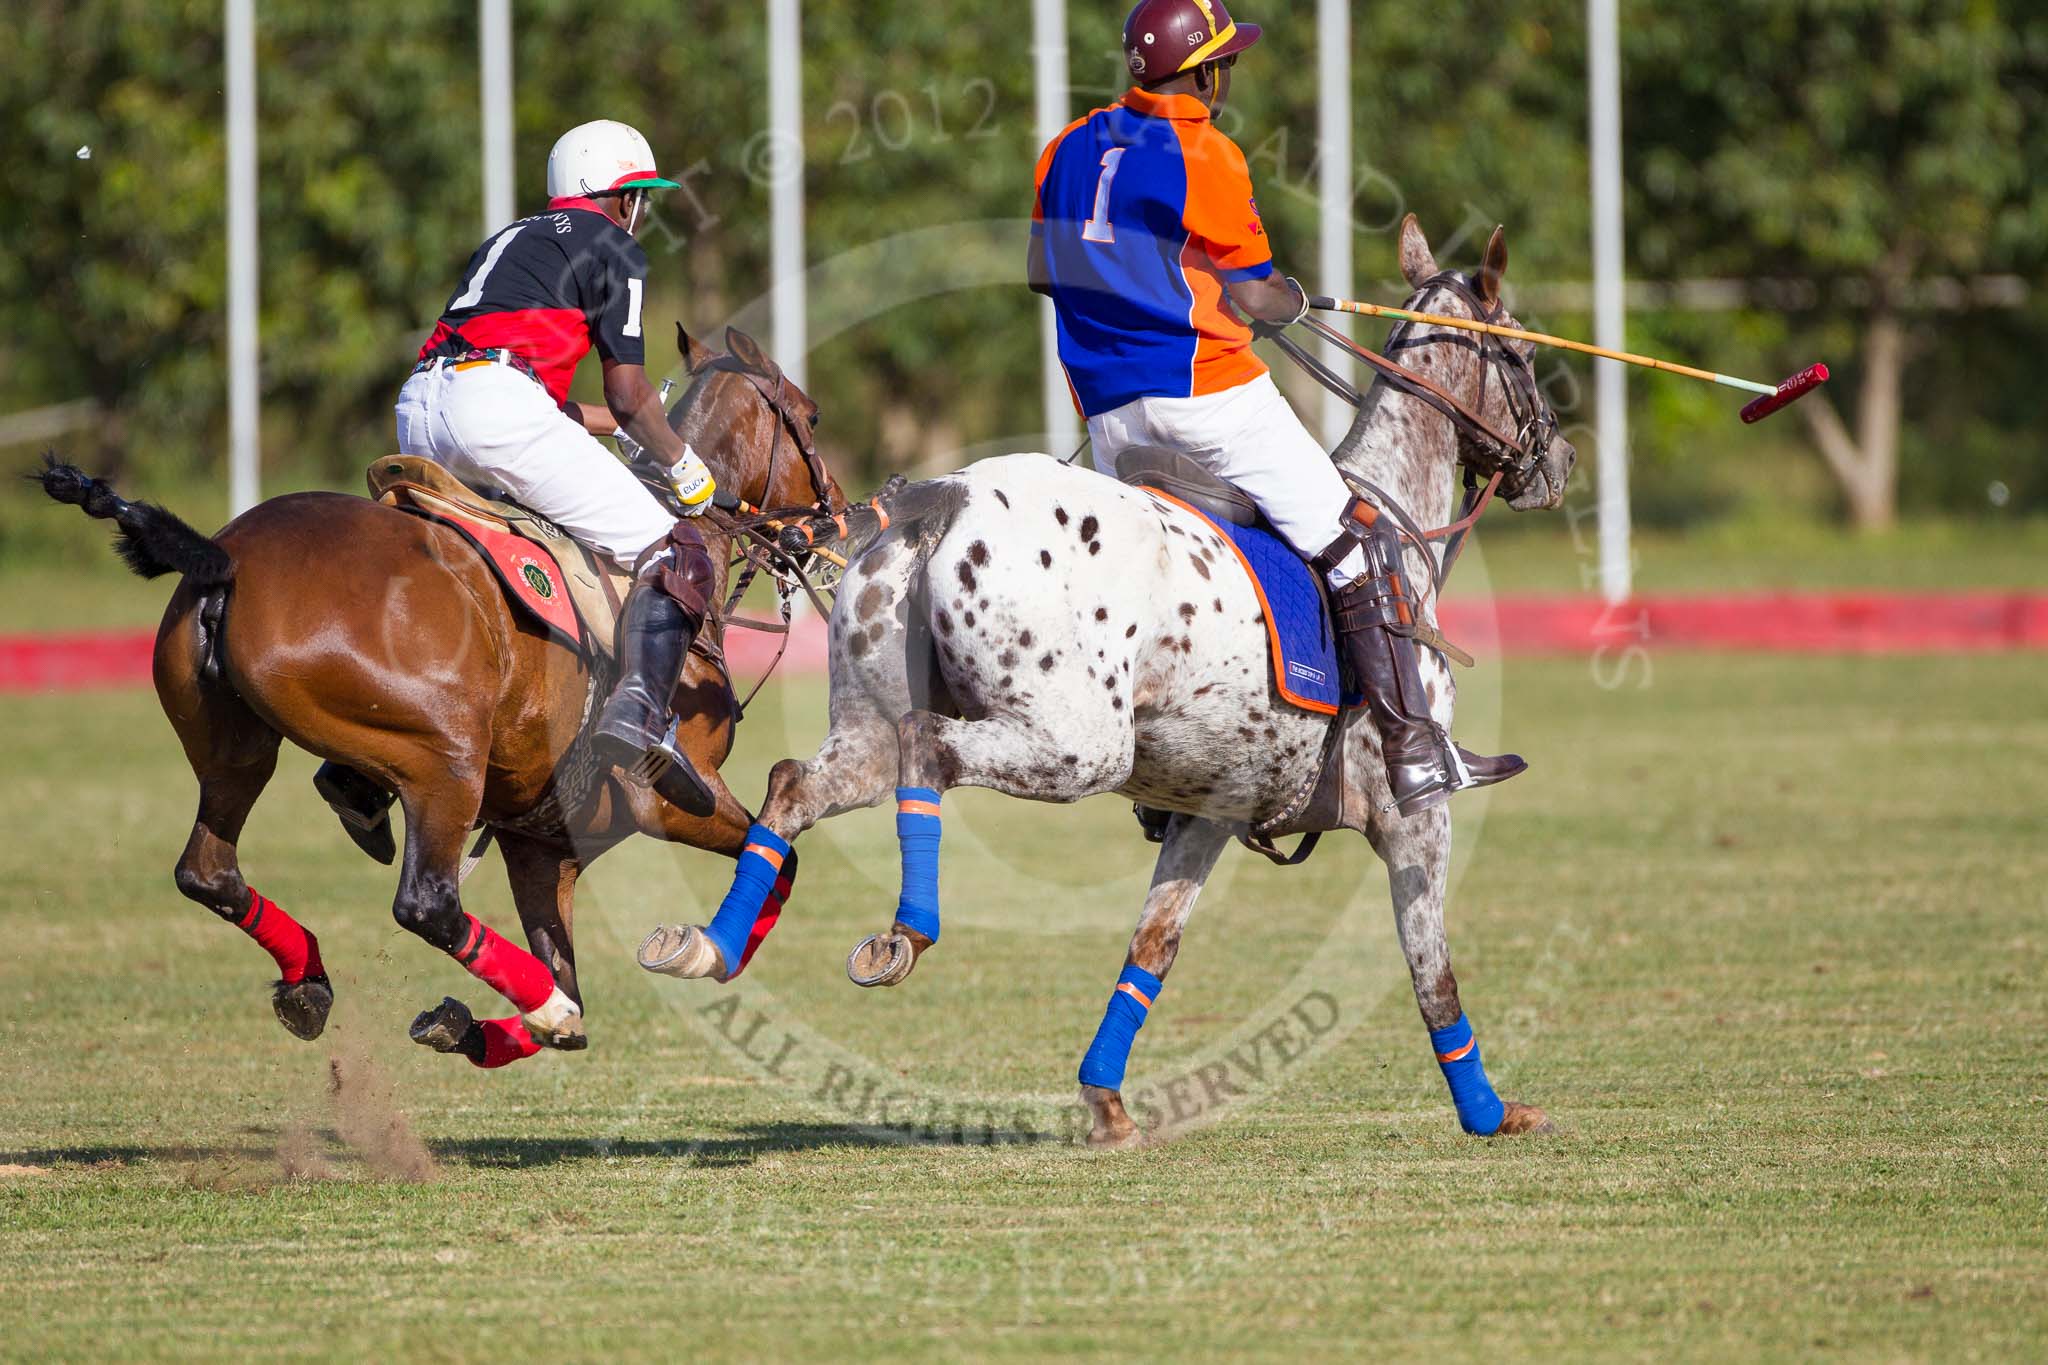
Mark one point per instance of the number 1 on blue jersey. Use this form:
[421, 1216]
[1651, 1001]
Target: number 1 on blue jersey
[1098, 228]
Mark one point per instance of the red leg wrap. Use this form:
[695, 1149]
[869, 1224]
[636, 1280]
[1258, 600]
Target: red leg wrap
[296, 952]
[511, 971]
[771, 911]
[505, 1041]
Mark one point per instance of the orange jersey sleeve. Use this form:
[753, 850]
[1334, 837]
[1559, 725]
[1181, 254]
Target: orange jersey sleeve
[1222, 214]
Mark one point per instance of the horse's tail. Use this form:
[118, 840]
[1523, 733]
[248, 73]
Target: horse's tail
[922, 511]
[152, 542]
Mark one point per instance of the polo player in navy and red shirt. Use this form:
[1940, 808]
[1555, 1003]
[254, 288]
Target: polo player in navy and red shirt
[489, 401]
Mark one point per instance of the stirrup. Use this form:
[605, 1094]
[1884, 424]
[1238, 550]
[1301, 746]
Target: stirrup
[666, 770]
[656, 759]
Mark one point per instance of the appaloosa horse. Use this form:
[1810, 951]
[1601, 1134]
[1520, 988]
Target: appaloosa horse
[1052, 634]
[382, 641]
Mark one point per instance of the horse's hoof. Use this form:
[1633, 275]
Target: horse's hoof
[684, 951]
[558, 1023]
[570, 1038]
[443, 1027]
[1110, 1128]
[1523, 1120]
[302, 1006]
[880, 960]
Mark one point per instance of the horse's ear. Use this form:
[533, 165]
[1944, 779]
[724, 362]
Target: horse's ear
[1417, 264]
[694, 352]
[1492, 266]
[748, 351]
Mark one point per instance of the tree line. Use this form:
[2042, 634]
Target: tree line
[1872, 163]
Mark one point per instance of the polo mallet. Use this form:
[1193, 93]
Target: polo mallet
[1774, 397]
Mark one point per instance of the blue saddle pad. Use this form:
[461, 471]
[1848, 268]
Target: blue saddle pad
[1304, 646]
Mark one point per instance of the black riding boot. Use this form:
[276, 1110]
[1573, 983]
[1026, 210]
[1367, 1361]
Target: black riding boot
[1423, 766]
[364, 808]
[1375, 619]
[636, 730]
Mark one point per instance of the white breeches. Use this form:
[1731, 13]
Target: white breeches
[493, 428]
[1249, 436]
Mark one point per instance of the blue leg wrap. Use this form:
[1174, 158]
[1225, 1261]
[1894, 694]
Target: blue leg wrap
[1132, 1000]
[752, 880]
[1457, 1052]
[917, 829]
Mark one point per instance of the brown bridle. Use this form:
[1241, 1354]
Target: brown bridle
[1512, 457]
[775, 392]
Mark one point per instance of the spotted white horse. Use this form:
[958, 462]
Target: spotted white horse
[1047, 632]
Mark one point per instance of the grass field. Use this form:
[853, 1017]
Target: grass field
[1767, 938]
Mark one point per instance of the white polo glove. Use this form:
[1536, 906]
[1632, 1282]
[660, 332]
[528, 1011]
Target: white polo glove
[691, 478]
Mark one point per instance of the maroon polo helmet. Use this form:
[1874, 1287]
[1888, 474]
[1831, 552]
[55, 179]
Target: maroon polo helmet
[1163, 38]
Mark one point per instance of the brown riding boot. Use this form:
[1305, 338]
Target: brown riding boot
[636, 731]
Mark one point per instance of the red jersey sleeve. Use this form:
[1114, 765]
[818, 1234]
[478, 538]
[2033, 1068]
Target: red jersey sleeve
[1222, 214]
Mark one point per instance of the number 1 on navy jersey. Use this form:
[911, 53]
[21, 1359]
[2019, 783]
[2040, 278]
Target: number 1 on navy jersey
[474, 295]
[1098, 228]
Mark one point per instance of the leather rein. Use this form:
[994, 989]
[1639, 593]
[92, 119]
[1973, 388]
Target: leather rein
[1536, 425]
[755, 549]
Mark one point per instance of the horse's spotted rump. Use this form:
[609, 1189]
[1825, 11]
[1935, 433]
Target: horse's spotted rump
[978, 552]
[1045, 559]
[870, 601]
[1187, 611]
[1089, 526]
[966, 572]
[1102, 613]
[1201, 565]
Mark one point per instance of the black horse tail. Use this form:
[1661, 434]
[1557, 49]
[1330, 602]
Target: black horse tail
[152, 541]
[923, 512]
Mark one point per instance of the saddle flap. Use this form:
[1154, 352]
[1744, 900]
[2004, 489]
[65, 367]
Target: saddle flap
[591, 591]
[1301, 641]
[1172, 473]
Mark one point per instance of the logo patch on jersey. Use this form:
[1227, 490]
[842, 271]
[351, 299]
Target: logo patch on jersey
[537, 578]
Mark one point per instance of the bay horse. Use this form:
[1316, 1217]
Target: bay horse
[381, 640]
[1052, 634]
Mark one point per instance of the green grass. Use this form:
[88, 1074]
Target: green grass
[1766, 937]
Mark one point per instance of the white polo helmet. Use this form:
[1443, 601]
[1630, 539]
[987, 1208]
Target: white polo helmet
[602, 157]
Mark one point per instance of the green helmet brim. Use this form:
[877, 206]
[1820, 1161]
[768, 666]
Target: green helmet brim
[651, 182]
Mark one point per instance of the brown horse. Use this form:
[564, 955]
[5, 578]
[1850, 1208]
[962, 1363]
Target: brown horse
[381, 640]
